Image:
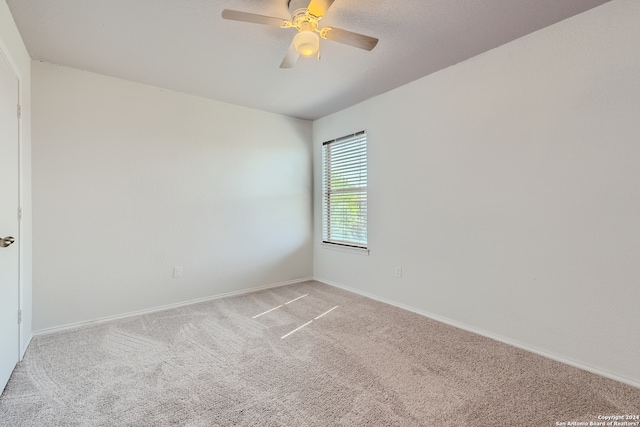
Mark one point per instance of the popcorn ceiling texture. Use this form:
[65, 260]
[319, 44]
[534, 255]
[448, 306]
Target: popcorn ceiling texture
[224, 363]
[188, 47]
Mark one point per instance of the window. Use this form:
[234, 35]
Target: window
[344, 188]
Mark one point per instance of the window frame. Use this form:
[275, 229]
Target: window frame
[351, 152]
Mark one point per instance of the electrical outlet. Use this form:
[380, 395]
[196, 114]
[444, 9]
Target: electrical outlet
[177, 272]
[398, 272]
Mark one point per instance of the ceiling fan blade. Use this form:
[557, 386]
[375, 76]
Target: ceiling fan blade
[352, 39]
[235, 15]
[290, 57]
[318, 8]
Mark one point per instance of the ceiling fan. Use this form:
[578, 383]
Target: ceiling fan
[305, 17]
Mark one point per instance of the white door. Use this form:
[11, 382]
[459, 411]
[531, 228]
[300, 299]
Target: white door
[9, 227]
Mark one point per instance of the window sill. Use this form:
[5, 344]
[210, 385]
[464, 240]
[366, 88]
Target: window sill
[340, 248]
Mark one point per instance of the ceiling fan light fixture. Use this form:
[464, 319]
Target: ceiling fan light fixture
[307, 43]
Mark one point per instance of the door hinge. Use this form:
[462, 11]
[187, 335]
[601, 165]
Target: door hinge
[19, 316]
[19, 214]
[19, 111]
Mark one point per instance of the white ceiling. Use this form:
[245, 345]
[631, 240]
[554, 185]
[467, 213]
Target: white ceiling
[185, 45]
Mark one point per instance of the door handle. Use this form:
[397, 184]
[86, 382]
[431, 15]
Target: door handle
[4, 242]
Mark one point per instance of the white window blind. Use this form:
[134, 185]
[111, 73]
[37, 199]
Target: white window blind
[344, 185]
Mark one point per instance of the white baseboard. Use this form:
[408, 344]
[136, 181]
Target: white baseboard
[92, 322]
[490, 335]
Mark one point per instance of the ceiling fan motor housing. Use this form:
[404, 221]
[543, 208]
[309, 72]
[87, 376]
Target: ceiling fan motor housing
[298, 8]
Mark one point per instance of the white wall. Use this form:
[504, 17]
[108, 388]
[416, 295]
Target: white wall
[131, 180]
[13, 47]
[507, 187]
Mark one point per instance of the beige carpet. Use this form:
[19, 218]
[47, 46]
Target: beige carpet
[299, 355]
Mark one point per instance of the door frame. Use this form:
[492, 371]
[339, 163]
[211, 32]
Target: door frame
[6, 56]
